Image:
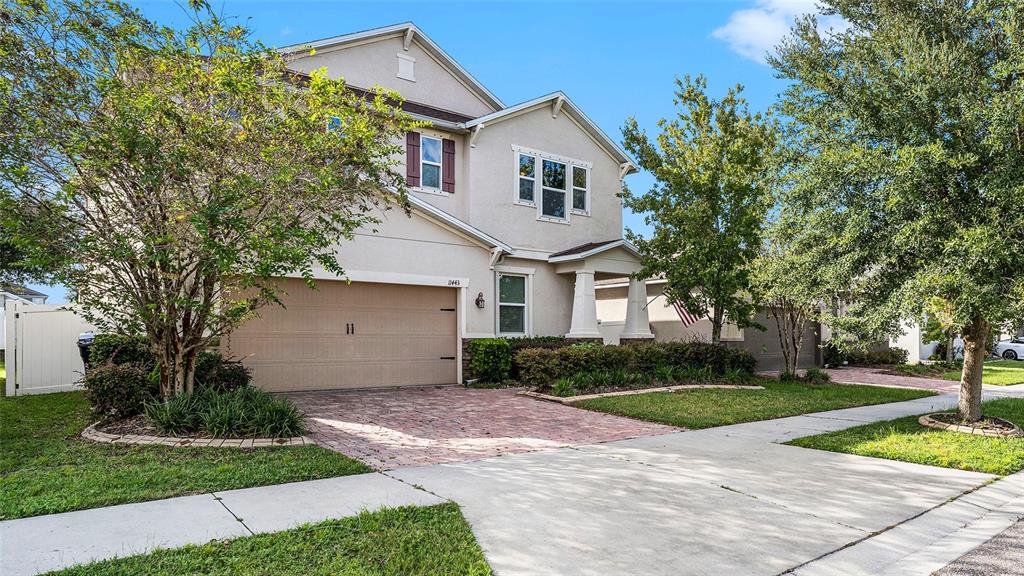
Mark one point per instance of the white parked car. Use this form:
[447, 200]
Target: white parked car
[1012, 349]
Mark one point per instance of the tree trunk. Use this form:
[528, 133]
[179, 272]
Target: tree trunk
[950, 353]
[974, 335]
[716, 325]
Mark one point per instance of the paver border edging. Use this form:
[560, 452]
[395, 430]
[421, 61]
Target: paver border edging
[91, 433]
[571, 399]
[927, 421]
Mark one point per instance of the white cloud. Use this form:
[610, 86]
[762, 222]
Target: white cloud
[754, 32]
[285, 32]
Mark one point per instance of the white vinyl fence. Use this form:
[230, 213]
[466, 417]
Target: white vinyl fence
[42, 352]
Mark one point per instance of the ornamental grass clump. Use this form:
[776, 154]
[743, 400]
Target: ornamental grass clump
[241, 413]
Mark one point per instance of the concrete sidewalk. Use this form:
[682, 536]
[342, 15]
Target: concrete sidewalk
[43, 543]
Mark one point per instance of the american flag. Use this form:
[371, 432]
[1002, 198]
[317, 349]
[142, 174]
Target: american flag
[685, 315]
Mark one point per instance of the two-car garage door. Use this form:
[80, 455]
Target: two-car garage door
[357, 335]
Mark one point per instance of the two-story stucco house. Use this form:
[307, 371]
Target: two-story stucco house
[515, 217]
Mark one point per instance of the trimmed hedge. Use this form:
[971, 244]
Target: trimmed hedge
[490, 359]
[541, 367]
[121, 349]
[836, 356]
[216, 373]
[119, 390]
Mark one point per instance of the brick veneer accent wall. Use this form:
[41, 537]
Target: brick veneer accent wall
[467, 372]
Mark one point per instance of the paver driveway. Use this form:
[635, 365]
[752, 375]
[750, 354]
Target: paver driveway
[878, 377]
[402, 427]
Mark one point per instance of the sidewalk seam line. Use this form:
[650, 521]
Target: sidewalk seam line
[241, 521]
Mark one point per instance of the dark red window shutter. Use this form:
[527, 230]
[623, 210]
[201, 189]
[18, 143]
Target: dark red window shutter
[412, 159]
[448, 165]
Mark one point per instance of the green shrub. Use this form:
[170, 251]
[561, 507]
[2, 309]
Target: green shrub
[563, 388]
[787, 376]
[121, 349]
[243, 412]
[214, 372]
[691, 361]
[834, 354]
[490, 359]
[119, 390]
[816, 376]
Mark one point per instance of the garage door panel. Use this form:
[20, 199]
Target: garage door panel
[403, 335]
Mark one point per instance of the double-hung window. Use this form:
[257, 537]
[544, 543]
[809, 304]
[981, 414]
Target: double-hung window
[527, 178]
[580, 190]
[511, 304]
[430, 162]
[553, 190]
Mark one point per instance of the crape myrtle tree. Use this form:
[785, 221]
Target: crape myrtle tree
[708, 205]
[168, 177]
[915, 117]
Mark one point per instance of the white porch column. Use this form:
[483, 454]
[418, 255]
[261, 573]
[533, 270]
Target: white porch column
[637, 324]
[584, 307]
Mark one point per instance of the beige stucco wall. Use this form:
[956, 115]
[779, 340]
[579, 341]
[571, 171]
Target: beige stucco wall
[375, 63]
[413, 249]
[492, 180]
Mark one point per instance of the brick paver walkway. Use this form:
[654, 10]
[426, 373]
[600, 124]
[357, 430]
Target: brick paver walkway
[418, 426]
[855, 375]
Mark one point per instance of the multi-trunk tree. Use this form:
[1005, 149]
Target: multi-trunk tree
[915, 119]
[168, 177]
[708, 205]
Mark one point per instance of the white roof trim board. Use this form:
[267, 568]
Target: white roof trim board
[407, 28]
[567, 104]
[624, 244]
[435, 213]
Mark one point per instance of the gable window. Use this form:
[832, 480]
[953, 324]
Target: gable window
[511, 304]
[527, 178]
[580, 190]
[430, 162]
[553, 190]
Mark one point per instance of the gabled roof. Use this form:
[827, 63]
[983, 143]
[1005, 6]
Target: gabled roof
[19, 290]
[589, 249]
[559, 103]
[411, 32]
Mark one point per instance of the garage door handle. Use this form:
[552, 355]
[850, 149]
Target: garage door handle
[447, 357]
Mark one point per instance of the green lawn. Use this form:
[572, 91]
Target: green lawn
[406, 541]
[904, 439]
[717, 407]
[45, 467]
[997, 372]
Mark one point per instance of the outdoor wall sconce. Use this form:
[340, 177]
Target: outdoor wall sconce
[480, 300]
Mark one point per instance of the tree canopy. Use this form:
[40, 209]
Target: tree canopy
[913, 119]
[169, 176]
[708, 205]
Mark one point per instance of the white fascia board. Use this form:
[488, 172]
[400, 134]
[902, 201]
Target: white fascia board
[567, 103]
[594, 251]
[405, 28]
[436, 213]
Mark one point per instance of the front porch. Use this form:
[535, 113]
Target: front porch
[593, 262]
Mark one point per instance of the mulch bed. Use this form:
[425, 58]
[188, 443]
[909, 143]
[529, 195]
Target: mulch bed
[987, 426]
[140, 425]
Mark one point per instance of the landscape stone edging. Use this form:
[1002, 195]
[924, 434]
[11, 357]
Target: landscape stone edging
[929, 422]
[570, 399]
[91, 433]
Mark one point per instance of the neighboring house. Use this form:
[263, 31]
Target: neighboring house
[16, 294]
[515, 216]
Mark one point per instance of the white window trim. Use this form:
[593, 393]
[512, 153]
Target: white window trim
[572, 192]
[538, 183]
[527, 275]
[515, 189]
[440, 167]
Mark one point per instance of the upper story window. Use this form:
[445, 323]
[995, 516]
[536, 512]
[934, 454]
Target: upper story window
[556, 187]
[430, 163]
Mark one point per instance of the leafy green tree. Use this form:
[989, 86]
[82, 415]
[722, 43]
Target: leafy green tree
[915, 115]
[170, 176]
[707, 208]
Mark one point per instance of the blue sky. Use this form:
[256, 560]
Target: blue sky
[614, 59]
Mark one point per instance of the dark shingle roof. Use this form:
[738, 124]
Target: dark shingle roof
[583, 248]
